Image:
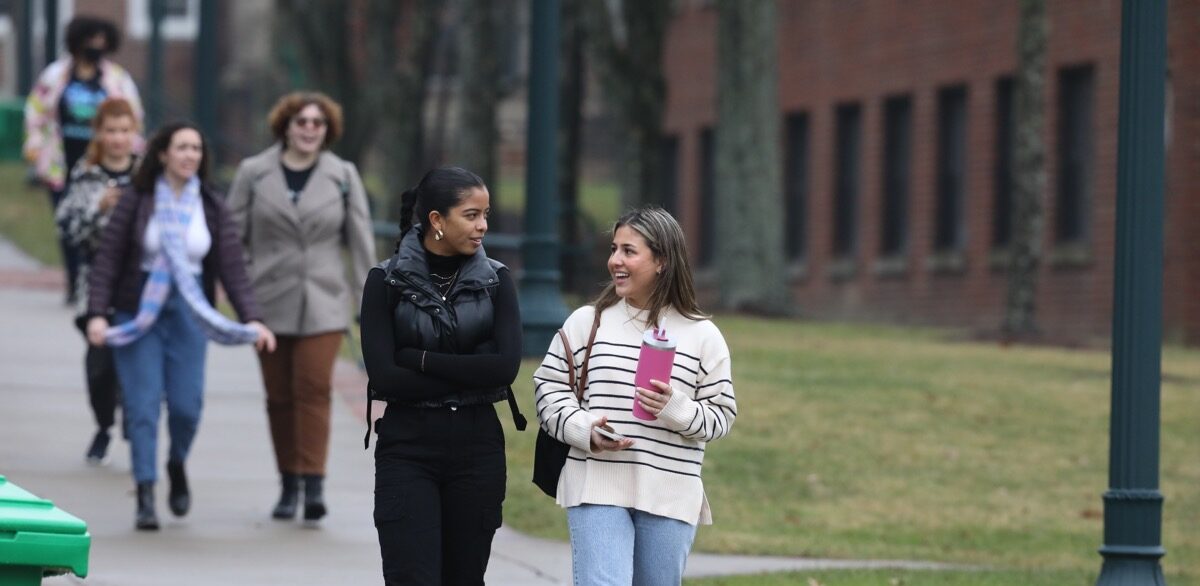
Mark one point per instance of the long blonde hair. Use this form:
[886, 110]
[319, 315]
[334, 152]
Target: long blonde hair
[674, 287]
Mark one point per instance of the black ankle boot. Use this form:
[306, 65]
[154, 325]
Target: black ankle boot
[97, 453]
[145, 519]
[179, 498]
[286, 507]
[314, 498]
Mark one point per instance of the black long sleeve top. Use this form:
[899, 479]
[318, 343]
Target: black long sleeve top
[398, 372]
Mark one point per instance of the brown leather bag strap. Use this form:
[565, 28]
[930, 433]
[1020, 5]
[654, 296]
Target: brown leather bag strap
[587, 355]
[569, 356]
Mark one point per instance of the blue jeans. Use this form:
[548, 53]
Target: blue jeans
[615, 546]
[167, 360]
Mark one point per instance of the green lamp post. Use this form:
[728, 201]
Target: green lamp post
[207, 81]
[25, 49]
[154, 66]
[1133, 504]
[542, 307]
[50, 40]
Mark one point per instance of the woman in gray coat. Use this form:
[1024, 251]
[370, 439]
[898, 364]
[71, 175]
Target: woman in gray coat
[298, 206]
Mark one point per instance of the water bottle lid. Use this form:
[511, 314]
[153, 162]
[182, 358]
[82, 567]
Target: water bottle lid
[658, 339]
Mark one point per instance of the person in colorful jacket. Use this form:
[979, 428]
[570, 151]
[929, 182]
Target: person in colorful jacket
[60, 108]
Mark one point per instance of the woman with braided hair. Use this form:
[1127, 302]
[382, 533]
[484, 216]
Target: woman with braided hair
[441, 335]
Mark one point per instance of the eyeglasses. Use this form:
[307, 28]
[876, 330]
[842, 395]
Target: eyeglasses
[314, 122]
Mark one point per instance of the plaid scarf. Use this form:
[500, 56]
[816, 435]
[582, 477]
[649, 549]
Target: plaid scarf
[170, 265]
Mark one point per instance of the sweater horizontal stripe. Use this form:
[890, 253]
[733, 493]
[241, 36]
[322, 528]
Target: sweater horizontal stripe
[661, 472]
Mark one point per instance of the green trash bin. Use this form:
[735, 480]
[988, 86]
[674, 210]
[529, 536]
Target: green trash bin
[38, 539]
[12, 129]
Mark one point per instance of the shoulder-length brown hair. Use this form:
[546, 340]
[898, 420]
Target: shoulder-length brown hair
[675, 286]
[289, 105]
[109, 108]
[151, 167]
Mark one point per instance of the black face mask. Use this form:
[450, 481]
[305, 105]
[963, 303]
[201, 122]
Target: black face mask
[92, 54]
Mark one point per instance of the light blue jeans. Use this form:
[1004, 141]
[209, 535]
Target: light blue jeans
[168, 360]
[615, 546]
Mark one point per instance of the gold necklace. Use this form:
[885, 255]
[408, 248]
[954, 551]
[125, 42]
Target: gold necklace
[444, 287]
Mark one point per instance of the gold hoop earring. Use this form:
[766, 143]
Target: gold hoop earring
[439, 235]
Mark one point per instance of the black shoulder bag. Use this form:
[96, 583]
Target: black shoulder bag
[550, 455]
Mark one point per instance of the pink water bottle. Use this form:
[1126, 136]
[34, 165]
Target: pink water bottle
[655, 362]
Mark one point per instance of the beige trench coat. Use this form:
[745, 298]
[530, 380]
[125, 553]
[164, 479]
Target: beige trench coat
[294, 251]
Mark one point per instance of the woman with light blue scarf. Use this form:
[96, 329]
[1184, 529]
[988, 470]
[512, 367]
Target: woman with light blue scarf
[169, 241]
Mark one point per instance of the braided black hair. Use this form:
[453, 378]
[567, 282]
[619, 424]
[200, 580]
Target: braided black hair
[440, 189]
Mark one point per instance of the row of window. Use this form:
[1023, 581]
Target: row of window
[1072, 190]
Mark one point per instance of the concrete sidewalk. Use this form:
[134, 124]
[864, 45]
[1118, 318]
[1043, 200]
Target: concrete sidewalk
[228, 538]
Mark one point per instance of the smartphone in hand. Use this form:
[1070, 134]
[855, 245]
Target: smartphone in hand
[609, 433]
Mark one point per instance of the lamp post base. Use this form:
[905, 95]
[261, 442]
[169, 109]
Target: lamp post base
[1131, 570]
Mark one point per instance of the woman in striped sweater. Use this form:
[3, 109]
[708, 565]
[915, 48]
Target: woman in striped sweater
[633, 504]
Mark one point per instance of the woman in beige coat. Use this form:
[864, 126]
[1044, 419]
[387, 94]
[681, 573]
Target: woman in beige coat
[298, 206]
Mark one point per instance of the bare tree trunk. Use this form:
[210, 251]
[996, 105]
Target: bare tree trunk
[398, 74]
[443, 60]
[320, 36]
[749, 254]
[570, 130]
[626, 38]
[382, 99]
[480, 45]
[1029, 172]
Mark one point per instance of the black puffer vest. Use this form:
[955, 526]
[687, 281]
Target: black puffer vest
[459, 324]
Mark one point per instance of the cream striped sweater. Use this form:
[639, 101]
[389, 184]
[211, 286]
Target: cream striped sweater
[660, 474]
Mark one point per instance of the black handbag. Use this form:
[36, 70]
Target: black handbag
[549, 455]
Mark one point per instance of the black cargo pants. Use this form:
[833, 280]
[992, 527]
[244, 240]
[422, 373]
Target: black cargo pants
[102, 385]
[439, 485]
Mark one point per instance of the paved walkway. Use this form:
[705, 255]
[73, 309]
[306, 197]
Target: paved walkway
[228, 538]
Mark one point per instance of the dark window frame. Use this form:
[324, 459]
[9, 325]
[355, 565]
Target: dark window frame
[896, 179]
[1076, 152]
[668, 160]
[1003, 161]
[176, 8]
[949, 220]
[796, 183]
[847, 165]
[708, 191]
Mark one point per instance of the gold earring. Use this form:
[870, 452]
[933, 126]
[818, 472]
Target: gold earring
[439, 235]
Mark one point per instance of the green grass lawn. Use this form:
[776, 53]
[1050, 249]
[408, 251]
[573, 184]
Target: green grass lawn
[908, 578]
[25, 215]
[899, 443]
[601, 202]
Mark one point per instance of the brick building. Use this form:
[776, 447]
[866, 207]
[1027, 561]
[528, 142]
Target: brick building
[896, 118]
